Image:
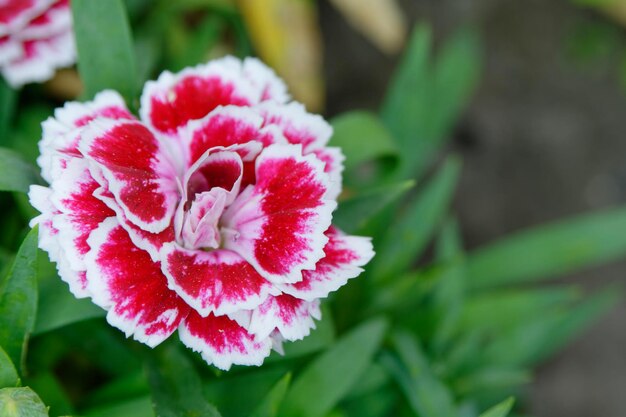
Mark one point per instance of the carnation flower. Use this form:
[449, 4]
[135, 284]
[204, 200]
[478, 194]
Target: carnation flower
[210, 214]
[35, 39]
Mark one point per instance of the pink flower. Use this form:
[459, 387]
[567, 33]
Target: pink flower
[211, 214]
[35, 39]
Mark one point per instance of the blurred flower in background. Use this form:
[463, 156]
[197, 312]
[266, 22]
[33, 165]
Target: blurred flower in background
[35, 39]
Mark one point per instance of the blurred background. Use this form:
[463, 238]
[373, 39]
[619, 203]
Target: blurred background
[543, 138]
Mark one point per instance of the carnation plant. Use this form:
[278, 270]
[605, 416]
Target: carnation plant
[202, 245]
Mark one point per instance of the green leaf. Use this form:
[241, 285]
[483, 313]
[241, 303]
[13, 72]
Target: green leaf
[427, 395]
[354, 214]
[550, 250]
[197, 44]
[58, 307]
[21, 402]
[327, 379]
[580, 318]
[362, 137]
[449, 296]
[105, 48]
[8, 99]
[271, 403]
[514, 307]
[15, 173]
[425, 98]
[500, 410]
[138, 407]
[176, 387]
[8, 374]
[18, 299]
[489, 380]
[51, 392]
[409, 235]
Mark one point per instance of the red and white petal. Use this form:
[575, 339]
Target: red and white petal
[10, 49]
[333, 165]
[124, 280]
[278, 224]
[41, 58]
[61, 133]
[80, 212]
[56, 19]
[173, 100]
[217, 281]
[344, 258]
[14, 15]
[222, 342]
[299, 127]
[150, 242]
[223, 128]
[270, 86]
[49, 240]
[292, 317]
[136, 168]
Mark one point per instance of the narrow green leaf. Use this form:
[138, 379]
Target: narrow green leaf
[427, 395]
[500, 410]
[8, 99]
[579, 319]
[550, 250]
[406, 106]
[362, 137]
[176, 387]
[448, 298]
[138, 407]
[354, 214]
[105, 48]
[58, 307]
[330, 376]
[409, 235]
[21, 402]
[489, 380]
[15, 173]
[255, 384]
[271, 403]
[514, 307]
[427, 95]
[8, 374]
[18, 300]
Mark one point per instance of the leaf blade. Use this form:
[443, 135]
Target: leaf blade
[103, 26]
[15, 173]
[329, 377]
[18, 299]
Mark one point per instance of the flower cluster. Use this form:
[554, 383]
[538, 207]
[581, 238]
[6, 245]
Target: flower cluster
[210, 214]
[35, 39]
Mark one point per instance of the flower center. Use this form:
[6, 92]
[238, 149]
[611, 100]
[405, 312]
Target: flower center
[210, 185]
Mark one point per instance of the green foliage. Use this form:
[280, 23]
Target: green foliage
[176, 388]
[21, 402]
[8, 374]
[425, 97]
[18, 300]
[105, 49]
[409, 235]
[271, 403]
[550, 251]
[15, 173]
[500, 410]
[328, 378]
